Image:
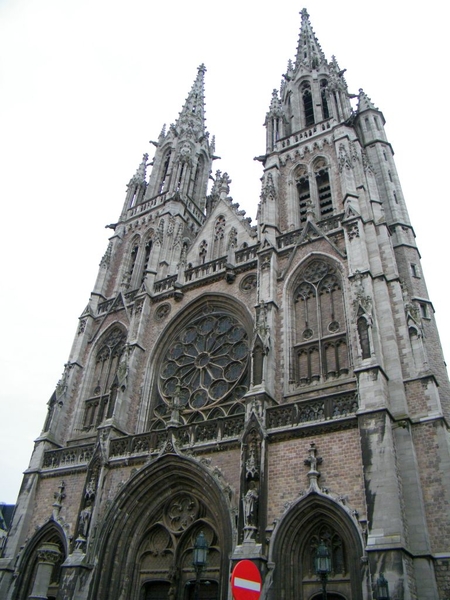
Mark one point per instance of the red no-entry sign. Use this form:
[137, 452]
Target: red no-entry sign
[246, 581]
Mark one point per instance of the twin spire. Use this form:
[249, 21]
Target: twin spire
[192, 115]
[309, 51]
[191, 125]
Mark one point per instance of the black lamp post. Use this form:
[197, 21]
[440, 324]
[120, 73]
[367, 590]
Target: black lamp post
[322, 563]
[199, 559]
[382, 588]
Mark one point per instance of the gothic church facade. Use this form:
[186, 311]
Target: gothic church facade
[274, 386]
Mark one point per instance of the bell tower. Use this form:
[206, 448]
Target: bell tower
[276, 391]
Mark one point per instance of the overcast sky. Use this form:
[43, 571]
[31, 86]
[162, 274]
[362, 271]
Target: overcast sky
[84, 86]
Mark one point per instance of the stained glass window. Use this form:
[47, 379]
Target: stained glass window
[205, 362]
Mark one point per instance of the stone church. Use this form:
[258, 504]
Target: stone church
[275, 391]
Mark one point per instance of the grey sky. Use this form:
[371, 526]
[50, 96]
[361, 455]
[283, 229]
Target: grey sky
[85, 84]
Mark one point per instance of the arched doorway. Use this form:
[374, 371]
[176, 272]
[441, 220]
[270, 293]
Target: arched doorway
[316, 519]
[50, 536]
[146, 545]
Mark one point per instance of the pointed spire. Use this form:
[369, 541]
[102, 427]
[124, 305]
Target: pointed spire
[364, 102]
[141, 172]
[309, 52]
[192, 115]
[276, 107]
[162, 135]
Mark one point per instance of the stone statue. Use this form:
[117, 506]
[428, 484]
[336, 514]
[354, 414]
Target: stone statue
[250, 505]
[85, 520]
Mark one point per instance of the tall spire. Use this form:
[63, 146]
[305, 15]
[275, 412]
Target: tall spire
[139, 176]
[192, 115]
[137, 186]
[309, 53]
[183, 156]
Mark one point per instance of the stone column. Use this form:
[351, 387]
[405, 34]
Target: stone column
[48, 555]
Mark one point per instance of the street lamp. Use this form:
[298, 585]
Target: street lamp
[382, 588]
[199, 559]
[322, 564]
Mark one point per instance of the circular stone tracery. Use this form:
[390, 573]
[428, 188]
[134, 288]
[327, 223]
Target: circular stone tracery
[205, 362]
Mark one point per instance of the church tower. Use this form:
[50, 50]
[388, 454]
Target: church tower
[272, 392]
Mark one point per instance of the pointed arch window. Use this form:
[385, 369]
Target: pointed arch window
[198, 178]
[323, 96]
[100, 404]
[203, 251]
[303, 191]
[128, 276]
[308, 108]
[219, 234]
[180, 176]
[165, 171]
[314, 189]
[320, 346]
[326, 534]
[133, 194]
[323, 188]
[147, 251]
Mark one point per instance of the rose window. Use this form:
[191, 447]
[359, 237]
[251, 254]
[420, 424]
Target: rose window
[205, 362]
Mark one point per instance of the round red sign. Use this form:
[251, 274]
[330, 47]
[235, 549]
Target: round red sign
[246, 581]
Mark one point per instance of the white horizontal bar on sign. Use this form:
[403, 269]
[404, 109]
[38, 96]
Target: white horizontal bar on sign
[247, 584]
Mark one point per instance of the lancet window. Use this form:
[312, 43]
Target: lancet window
[324, 98]
[147, 250]
[219, 234]
[104, 381]
[323, 188]
[164, 172]
[180, 175]
[308, 107]
[203, 251]
[325, 534]
[320, 347]
[314, 190]
[128, 276]
[198, 178]
[303, 191]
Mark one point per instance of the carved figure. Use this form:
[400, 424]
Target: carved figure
[250, 505]
[85, 519]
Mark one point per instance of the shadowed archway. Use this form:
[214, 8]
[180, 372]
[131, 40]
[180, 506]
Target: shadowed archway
[311, 520]
[150, 529]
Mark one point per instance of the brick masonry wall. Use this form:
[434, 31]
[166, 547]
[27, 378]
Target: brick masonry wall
[415, 394]
[434, 478]
[442, 570]
[341, 470]
[43, 505]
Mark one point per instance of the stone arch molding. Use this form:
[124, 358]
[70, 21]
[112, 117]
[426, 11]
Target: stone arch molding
[341, 329]
[149, 530]
[157, 377]
[290, 549]
[101, 402]
[50, 539]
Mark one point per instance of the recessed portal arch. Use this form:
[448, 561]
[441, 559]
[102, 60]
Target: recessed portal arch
[149, 532]
[313, 519]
